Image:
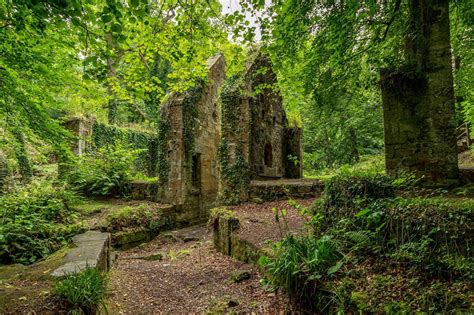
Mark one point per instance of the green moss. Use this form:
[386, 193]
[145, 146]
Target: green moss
[221, 212]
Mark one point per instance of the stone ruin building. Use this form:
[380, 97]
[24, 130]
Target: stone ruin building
[218, 136]
[226, 140]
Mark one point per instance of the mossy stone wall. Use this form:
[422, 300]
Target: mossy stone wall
[418, 100]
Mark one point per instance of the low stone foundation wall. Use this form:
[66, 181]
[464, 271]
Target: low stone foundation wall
[284, 189]
[466, 174]
[143, 190]
[226, 240]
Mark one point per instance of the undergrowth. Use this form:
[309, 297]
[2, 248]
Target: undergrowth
[84, 292]
[35, 221]
[105, 172]
[372, 250]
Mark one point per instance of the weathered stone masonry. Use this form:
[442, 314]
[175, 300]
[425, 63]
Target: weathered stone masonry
[191, 144]
[256, 143]
[220, 136]
[418, 101]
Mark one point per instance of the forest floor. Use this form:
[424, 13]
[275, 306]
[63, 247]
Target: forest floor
[188, 277]
[181, 272]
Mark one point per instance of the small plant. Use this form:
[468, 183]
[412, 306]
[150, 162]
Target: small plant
[83, 291]
[297, 264]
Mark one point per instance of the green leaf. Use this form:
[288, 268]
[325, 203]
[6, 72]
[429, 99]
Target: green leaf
[335, 268]
[362, 213]
[106, 18]
[116, 28]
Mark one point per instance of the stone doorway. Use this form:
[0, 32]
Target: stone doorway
[268, 155]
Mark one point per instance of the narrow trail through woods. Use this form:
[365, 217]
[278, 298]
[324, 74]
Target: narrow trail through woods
[190, 277]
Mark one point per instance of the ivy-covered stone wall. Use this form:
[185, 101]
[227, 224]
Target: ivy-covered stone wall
[91, 134]
[256, 141]
[147, 161]
[189, 141]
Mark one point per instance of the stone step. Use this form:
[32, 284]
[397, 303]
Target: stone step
[92, 251]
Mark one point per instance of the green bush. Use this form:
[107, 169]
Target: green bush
[83, 291]
[35, 221]
[105, 172]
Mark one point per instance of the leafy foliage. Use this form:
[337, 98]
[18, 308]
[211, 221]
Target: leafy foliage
[35, 221]
[349, 191]
[105, 172]
[300, 262]
[145, 143]
[84, 291]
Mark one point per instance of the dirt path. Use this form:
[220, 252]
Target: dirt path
[191, 277]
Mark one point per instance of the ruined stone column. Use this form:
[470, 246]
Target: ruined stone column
[82, 129]
[418, 99]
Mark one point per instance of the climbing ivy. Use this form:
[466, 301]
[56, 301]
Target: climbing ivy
[231, 97]
[107, 135]
[235, 174]
[164, 128]
[190, 113]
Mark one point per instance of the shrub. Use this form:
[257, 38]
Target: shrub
[103, 173]
[83, 291]
[35, 221]
[347, 194]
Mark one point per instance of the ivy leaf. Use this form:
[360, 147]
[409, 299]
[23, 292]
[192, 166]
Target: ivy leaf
[116, 28]
[106, 18]
[362, 213]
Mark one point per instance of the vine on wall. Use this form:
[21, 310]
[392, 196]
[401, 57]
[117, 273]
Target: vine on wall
[190, 113]
[147, 161]
[231, 96]
[162, 153]
[234, 174]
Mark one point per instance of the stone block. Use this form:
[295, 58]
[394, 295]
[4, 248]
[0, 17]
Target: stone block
[92, 251]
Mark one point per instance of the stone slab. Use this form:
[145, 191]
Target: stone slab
[92, 251]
